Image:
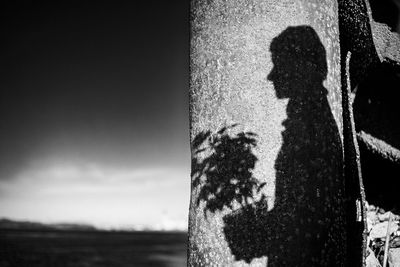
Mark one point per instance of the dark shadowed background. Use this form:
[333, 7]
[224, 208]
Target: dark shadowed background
[94, 112]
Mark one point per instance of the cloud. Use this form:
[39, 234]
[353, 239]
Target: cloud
[102, 195]
[90, 178]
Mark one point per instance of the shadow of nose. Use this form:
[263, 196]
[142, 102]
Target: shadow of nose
[271, 75]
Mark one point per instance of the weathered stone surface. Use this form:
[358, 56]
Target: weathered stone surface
[380, 232]
[266, 133]
[394, 257]
[367, 32]
[386, 39]
[380, 229]
[371, 260]
[373, 79]
[356, 37]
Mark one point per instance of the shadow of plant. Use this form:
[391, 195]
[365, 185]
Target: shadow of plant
[225, 175]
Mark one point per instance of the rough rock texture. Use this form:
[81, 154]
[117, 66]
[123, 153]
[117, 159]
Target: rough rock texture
[375, 106]
[266, 133]
[383, 227]
[386, 39]
[374, 85]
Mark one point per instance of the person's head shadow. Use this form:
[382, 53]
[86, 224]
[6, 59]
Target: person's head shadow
[299, 60]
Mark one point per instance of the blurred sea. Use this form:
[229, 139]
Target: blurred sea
[54, 248]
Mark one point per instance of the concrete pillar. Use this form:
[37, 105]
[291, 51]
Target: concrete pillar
[266, 134]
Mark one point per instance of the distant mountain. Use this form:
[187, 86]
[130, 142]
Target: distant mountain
[26, 225]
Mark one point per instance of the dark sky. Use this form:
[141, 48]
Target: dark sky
[101, 84]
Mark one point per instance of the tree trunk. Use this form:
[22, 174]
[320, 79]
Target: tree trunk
[266, 134]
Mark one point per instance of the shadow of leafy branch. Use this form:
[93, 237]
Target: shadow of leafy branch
[225, 175]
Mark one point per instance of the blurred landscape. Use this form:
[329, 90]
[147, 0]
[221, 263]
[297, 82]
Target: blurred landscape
[69, 245]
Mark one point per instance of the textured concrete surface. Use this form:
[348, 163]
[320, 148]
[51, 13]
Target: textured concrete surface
[356, 37]
[372, 75]
[386, 39]
[380, 147]
[271, 69]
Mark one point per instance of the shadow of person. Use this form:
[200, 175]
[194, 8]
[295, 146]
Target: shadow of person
[306, 225]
